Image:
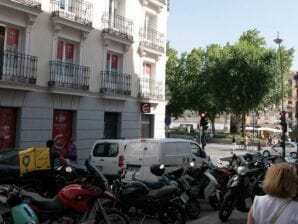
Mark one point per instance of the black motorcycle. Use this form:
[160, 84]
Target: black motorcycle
[137, 200]
[242, 188]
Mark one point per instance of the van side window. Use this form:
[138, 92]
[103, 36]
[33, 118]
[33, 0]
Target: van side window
[106, 150]
[196, 150]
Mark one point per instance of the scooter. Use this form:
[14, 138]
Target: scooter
[15, 211]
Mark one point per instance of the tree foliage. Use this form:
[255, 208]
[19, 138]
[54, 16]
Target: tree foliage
[235, 78]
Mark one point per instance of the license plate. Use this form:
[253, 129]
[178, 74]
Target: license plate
[184, 197]
[248, 202]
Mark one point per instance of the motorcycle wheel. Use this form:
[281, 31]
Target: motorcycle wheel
[173, 214]
[226, 207]
[114, 217]
[214, 203]
[192, 208]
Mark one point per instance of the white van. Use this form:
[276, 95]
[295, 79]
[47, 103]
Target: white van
[137, 155]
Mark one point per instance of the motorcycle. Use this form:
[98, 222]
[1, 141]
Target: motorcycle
[74, 203]
[242, 188]
[203, 184]
[136, 199]
[14, 210]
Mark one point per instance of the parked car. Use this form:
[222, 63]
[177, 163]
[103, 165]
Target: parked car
[137, 155]
[276, 149]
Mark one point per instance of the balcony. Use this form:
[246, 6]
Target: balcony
[76, 14]
[117, 28]
[157, 4]
[27, 7]
[17, 67]
[115, 83]
[152, 41]
[150, 89]
[69, 75]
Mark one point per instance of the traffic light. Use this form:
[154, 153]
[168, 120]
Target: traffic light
[204, 121]
[283, 122]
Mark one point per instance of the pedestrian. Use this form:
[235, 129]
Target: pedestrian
[56, 158]
[277, 207]
[246, 142]
[269, 140]
[71, 151]
[233, 144]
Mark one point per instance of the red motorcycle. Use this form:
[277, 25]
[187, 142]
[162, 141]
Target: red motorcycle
[75, 203]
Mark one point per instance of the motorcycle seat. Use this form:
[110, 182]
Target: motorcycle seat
[166, 190]
[154, 185]
[43, 203]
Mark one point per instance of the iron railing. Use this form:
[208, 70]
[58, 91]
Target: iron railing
[150, 89]
[117, 25]
[17, 67]
[76, 10]
[115, 83]
[30, 3]
[69, 75]
[152, 39]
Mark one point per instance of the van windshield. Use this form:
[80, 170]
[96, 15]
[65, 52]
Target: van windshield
[106, 150]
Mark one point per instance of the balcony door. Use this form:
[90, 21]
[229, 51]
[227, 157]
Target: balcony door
[9, 47]
[147, 77]
[149, 26]
[66, 57]
[112, 80]
[68, 7]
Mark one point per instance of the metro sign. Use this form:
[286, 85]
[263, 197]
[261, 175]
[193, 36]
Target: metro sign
[145, 107]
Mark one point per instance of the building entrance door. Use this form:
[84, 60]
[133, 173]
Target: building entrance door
[7, 127]
[62, 129]
[147, 126]
[111, 126]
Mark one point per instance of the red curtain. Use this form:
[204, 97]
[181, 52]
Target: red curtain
[12, 39]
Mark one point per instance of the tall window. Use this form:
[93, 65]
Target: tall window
[65, 51]
[114, 62]
[67, 5]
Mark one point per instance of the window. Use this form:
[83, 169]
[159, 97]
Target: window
[67, 5]
[65, 51]
[147, 69]
[197, 151]
[114, 61]
[106, 150]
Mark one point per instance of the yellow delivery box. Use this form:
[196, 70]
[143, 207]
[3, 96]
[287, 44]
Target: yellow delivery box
[32, 159]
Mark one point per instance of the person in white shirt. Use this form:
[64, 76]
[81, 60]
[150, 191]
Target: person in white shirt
[277, 207]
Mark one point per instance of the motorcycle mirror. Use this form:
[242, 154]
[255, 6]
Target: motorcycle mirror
[68, 169]
[192, 164]
[59, 168]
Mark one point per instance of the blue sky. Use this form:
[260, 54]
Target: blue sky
[198, 23]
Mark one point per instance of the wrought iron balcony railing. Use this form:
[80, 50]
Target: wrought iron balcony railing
[115, 83]
[150, 89]
[69, 75]
[152, 39]
[30, 3]
[17, 67]
[117, 25]
[77, 10]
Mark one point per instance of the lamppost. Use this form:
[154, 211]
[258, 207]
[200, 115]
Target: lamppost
[283, 122]
[296, 106]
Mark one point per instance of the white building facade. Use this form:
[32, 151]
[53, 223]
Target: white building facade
[81, 69]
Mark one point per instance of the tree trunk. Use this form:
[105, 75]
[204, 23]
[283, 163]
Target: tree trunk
[212, 125]
[243, 123]
[234, 124]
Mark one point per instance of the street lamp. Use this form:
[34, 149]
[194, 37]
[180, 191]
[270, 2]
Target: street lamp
[278, 41]
[296, 106]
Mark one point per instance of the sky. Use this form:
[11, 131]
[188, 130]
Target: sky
[198, 23]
